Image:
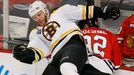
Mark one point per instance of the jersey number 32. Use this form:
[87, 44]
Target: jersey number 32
[94, 47]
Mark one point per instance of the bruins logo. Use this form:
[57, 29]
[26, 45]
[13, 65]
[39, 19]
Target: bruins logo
[50, 29]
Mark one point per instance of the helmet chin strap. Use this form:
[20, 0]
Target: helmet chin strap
[46, 18]
[46, 12]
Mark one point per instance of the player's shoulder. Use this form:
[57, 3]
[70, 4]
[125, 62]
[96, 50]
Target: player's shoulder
[106, 31]
[33, 30]
[128, 22]
[129, 18]
[65, 8]
[36, 30]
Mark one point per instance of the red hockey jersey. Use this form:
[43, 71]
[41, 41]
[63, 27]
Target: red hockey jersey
[104, 45]
[126, 29]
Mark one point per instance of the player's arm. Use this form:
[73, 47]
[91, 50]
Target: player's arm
[82, 12]
[121, 34]
[117, 57]
[29, 54]
[35, 51]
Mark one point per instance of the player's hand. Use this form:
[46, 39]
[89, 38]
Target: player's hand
[23, 54]
[111, 12]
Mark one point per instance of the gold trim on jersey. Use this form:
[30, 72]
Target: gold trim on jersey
[83, 12]
[65, 34]
[36, 57]
[40, 52]
[90, 14]
[34, 29]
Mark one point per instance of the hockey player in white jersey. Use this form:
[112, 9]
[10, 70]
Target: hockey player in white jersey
[58, 35]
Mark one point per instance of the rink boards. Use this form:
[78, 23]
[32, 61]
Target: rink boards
[11, 66]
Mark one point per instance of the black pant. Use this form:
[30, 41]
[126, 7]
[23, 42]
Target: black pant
[90, 70]
[74, 52]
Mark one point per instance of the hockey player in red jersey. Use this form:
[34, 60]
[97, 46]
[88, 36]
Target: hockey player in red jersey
[126, 38]
[103, 50]
[126, 29]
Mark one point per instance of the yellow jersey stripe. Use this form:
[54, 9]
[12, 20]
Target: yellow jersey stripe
[34, 29]
[83, 12]
[40, 52]
[90, 12]
[36, 57]
[63, 35]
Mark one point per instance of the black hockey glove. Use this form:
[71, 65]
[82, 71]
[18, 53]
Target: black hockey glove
[111, 12]
[23, 54]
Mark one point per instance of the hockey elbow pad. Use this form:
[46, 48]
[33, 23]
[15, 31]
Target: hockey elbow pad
[111, 12]
[23, 54]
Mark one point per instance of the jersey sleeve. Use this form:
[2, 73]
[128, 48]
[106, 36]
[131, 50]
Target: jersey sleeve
[116, 52]
[122, 31]
[121, 34]
[79, 12]
[40, 47]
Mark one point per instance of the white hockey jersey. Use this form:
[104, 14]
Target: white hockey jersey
[59, 29]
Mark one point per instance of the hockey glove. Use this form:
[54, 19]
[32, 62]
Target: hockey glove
[23, 54]
[111, 12]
